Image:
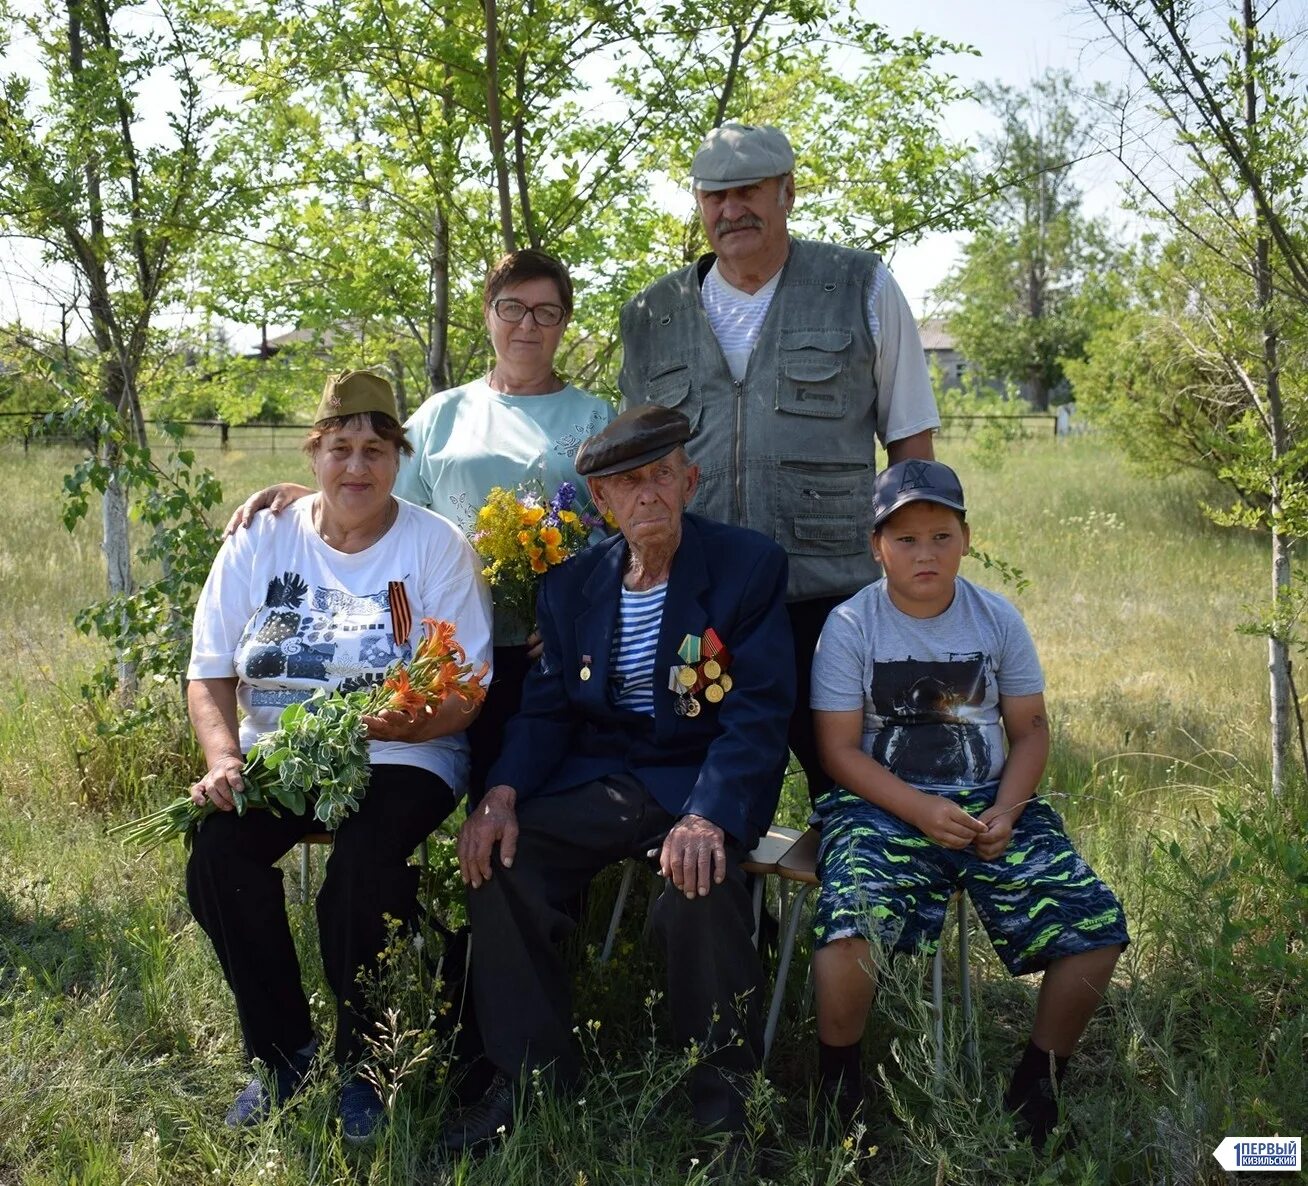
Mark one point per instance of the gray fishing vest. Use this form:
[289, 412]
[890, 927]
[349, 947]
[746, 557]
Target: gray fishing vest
[790, 449]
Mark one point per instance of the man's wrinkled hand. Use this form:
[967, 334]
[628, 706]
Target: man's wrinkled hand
[991, 843]
[493, 821]
[220, 783]
[694, 856]
[943, 821]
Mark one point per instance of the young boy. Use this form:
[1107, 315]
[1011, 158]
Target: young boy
[917, 681]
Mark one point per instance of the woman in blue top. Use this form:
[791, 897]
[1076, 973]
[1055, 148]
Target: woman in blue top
[521, 422]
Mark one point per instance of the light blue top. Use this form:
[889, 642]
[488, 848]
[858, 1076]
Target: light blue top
[635, 644]
[470, 439]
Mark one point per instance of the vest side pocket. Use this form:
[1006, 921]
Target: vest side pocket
[669, 385]
[823, 507]
[811, 372]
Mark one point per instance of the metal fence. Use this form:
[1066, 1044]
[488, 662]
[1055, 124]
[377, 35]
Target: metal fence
[274, 438]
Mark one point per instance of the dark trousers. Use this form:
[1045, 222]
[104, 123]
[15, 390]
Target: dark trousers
[503, 699]
[806, 621]
[235, 891]
[521, 982]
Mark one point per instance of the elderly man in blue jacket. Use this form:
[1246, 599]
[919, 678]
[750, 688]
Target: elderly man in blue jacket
[655, 722]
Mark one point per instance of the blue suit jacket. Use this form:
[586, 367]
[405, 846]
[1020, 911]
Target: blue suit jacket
[726, 764]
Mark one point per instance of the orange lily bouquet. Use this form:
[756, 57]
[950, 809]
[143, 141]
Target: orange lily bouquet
[319, 751]
[522, 534]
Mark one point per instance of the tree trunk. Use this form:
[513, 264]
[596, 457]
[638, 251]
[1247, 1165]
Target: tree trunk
[117, 547]
[438, 356]
[1282, 572]
[396, 365]
[496, 129]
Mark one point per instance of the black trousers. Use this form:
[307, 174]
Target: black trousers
[521, 982]
[806, 621]
[236, 894]
[503, 699]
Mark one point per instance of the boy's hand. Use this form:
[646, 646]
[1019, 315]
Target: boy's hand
[991, 843]
[943, 821]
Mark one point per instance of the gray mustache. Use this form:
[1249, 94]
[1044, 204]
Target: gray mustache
[748, 222]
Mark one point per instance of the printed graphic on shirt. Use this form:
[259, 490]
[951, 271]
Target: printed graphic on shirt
[318, 636]
[930, 721]
[568, 444]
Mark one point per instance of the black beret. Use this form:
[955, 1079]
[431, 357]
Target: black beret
[637, 437]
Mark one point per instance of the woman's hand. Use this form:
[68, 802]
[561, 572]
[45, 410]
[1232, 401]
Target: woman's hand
[393, 725]
[272, 498]
[220, 783]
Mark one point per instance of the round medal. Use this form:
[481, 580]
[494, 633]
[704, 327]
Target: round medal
[686, 677]
[713, 669]
[692, 707]
[725, 681]
[713, 693]
[585, 673]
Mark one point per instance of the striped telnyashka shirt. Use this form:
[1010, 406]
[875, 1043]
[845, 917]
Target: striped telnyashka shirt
[631, 662]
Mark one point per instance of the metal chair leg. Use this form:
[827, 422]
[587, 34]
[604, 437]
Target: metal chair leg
[792, 917]
[938, 1007]
[965, 982]
[628, 875]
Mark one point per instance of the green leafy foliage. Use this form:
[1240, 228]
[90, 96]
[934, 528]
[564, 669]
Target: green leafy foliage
[149, 625]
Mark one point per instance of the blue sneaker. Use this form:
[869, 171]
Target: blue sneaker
[362, 1111]
[273, 1087]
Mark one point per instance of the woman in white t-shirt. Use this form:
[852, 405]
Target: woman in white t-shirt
[523, 421]
[327, 595]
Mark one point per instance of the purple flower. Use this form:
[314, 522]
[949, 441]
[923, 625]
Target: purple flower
[564, 497]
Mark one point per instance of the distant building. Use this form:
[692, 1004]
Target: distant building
[944, 356]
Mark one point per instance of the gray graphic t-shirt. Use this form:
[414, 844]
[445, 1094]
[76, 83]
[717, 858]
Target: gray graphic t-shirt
[929, 688]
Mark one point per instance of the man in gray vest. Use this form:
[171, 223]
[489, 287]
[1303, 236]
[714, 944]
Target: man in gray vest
[790, 358]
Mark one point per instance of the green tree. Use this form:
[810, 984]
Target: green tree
[1213, 355]
[117, 165]
[414, 159]
[1035, 275]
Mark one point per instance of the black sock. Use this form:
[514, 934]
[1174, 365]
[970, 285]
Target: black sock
[1033, 1092]
[840, 1068]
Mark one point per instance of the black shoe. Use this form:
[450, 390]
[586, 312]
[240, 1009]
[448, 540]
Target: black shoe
[490, 1117]
[270, 1088]
[362, 1111]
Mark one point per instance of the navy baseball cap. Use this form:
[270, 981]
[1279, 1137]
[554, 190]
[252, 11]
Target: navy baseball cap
[915, 481]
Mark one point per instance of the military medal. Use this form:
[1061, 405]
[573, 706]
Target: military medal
[712, 668]
[725, 681]
[686, 677]
[692, 706]
[713, 693]
[585, 668]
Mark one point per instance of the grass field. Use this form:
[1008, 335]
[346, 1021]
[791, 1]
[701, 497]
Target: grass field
[118, 1043]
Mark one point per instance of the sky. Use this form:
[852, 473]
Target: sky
[1018, 40]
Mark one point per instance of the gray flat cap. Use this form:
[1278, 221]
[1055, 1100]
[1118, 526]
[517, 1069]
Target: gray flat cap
[741, 154]
[640, 435]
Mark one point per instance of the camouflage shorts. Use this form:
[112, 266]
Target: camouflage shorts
[884, 880]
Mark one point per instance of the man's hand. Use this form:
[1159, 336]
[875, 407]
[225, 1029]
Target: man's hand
[273, 498]
[493, 821]
[943, 821]
[991, 843]
[535, 645]
[694, 856]
[219, 783]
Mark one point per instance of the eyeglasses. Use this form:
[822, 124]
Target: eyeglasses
[507, 309]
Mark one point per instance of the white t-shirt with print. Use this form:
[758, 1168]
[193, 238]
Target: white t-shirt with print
[287, 614]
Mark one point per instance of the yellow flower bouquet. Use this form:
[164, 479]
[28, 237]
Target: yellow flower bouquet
[521, 534]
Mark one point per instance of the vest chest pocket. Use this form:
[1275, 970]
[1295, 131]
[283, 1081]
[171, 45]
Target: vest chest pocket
[669, 385]
[811, 378]
[823, 508]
